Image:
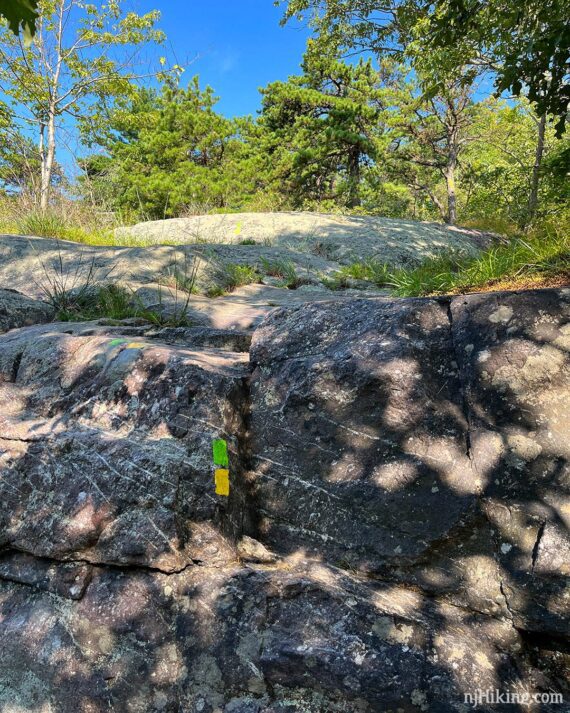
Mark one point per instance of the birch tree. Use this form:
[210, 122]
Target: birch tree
[81, 57]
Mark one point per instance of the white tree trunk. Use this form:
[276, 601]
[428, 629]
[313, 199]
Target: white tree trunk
[48, 160]
[451, 217]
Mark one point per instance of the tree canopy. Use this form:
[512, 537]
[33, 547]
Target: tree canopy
[525, 44]
[385, 116]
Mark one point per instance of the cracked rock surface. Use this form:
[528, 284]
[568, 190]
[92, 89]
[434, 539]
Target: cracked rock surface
[396, 533]
[106, 448]
[18, 310]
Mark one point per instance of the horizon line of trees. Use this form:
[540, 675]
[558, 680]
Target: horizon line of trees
[400, 134]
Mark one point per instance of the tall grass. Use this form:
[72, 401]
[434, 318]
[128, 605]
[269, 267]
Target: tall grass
[65, 219]
[543, 252]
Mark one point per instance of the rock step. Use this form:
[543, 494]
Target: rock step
[106, 448]
[194, 337]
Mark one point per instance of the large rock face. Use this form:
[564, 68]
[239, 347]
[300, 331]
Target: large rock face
[423, 441]
[358, 413]
[403, 465]
[107, 449]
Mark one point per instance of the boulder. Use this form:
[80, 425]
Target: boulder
[106, 449]
[422, 441]
[513, 349]
[17, 310]
[305, 638]
[395, 537]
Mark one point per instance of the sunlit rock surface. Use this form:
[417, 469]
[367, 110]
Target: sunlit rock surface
[106, 448]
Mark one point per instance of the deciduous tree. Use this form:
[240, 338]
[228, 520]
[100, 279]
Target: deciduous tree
[71, 69]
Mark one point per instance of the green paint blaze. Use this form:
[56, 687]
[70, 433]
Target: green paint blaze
[115, 342]
[220, 451]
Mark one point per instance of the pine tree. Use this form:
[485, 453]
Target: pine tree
[322, 126]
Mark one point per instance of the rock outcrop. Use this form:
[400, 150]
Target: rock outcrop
[343, 238]
[396, 534]
[17, 310]
[107, 449]
[310, 248]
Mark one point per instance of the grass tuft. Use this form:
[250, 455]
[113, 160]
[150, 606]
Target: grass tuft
[116, 302]
[372, 271]
[227, 276]
[285, 271]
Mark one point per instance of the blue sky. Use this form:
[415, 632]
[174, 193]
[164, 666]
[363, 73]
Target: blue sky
[234, 46]
[238, 46]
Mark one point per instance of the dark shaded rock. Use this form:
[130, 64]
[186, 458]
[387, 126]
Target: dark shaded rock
[105, 450]
[358, 431]
[17, 310]
[67, 580]
[204, 337]
[425, 442]
[513, 349]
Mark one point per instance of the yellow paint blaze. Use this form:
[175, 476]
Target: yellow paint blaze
[222, 479]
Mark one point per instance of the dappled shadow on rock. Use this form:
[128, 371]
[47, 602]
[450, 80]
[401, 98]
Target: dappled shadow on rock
[407, 461]
[209, 639]
[423, 442]
[106, 448]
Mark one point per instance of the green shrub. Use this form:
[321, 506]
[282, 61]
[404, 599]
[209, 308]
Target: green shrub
[116, 302]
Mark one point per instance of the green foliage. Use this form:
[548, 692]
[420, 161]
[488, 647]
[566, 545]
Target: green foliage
[320, 128]
[110, 301]
[399, 133]
[556, 174]
[527, 45]
[80, 61]
[45, 225]
[227, 276]
[169, 152]
[66, 221]
[21, 15]
[20, 163]
[116, 302]
[80, 291]
[370, 270]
